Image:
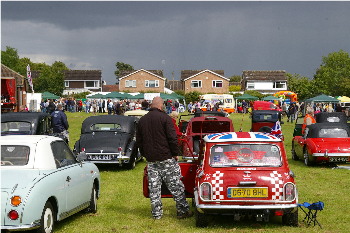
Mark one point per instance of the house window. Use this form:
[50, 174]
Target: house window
[217, 83]
[66, 83]
[250, 85]
[196, 83]
[92, 84]
[130, 83]
[152, 83]
[280, 85]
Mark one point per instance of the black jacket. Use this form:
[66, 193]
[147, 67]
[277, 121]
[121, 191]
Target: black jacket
[156, 136]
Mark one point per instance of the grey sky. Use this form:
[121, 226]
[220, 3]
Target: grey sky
[175, 36]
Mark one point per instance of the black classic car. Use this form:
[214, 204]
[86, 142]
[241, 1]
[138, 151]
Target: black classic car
[109, 139]
[26, 123]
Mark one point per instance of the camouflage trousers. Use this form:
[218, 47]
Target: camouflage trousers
[169, 172]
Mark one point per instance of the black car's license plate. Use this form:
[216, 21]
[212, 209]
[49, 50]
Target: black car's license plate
[338, 159]
[102, 157]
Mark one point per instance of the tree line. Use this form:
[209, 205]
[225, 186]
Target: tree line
[331, 78]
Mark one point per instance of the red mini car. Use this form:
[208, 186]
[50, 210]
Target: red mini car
[323, 143]
[242, 174]
[200, 126]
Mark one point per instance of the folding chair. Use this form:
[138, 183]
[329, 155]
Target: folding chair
[311, 212]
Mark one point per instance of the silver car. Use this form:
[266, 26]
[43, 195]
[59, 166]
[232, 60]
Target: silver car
[43, 182]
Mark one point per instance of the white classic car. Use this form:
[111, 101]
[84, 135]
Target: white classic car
[43, 182]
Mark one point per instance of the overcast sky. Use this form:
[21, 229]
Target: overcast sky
[174, 36]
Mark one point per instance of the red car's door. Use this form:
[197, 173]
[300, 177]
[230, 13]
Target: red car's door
[188, 172]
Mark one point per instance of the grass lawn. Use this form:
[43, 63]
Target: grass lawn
[122, 207]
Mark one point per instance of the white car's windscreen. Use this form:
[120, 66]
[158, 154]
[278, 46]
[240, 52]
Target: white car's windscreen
[237, 155]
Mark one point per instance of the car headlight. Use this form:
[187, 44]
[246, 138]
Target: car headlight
[205, 191]
[289, 192]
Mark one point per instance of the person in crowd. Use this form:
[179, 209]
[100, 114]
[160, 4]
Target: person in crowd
[338, 108]
[59, 122]
[174, 116]
[291, 112]
[244, 106]
[308, 119]
[156, 138]
[144, 105]
[103, 106]
[189, 107]
[110, 107]
[87, 103]
[51, 107]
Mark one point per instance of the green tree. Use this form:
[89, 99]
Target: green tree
[333, 76]
[235, 78]
[120, 68]
[51, 78]
[302, 86]
[192, 96]
[234, 88]
[10, 57]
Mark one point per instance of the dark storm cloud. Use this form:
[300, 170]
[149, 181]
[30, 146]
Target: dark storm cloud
[172, 36]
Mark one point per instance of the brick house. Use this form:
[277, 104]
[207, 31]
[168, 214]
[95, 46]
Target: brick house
[142, 81]
[204, 81]
[82, 80]
[266, 82]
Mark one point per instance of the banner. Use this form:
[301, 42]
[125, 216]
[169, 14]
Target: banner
[29, 77]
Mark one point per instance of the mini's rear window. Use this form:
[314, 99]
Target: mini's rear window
[14, 155]
[241, 155]
[105, 127]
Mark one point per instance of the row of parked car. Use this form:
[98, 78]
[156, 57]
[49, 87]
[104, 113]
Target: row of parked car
[243, 174]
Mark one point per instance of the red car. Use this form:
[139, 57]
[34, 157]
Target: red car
[200, 126]
[242, 174]
[323, 143]
[265, 105]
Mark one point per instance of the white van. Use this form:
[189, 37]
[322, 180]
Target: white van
[227, 103]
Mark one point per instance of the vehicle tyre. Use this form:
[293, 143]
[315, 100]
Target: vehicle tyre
[201, 219]
[132, 163]
[306, 158]
[290, 219]
[47, 220]
[265, 129]
[93, 200]
[294, 155]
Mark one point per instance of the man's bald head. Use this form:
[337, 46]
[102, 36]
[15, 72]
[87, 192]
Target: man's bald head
[157, 102]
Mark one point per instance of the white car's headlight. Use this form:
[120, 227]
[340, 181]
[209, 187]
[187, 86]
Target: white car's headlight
[205, 191]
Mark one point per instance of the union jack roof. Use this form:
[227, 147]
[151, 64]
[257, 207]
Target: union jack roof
[241, 136]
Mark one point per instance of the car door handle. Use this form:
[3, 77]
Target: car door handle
[68, 179]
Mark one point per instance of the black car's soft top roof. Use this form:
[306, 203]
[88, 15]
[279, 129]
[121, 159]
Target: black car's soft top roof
[323, 116]
[23, 116]
[127, 122]
[315, 128]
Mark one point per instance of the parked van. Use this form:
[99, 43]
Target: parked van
[226, 101]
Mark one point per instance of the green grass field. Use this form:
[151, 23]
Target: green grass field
[122, 207]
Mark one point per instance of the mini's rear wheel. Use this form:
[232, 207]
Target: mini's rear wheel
[201, 219]
[290, 218]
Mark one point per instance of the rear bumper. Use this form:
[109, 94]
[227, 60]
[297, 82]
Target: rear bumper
[21, 227]
[226, 208]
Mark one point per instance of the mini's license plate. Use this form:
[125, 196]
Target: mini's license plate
[338, 159]
[101, 157]
[247, 192]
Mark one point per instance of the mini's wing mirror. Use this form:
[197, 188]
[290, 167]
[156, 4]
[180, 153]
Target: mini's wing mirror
[81, 156]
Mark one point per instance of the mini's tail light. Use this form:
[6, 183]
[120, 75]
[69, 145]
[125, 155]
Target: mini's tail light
[16, 200]
[13, 215]
[205, 191]
[120, 149]
[289, 192]
[83, 149]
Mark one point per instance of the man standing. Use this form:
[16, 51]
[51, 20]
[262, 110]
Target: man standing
[60, 123]
[308, 119]
[156, 138]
